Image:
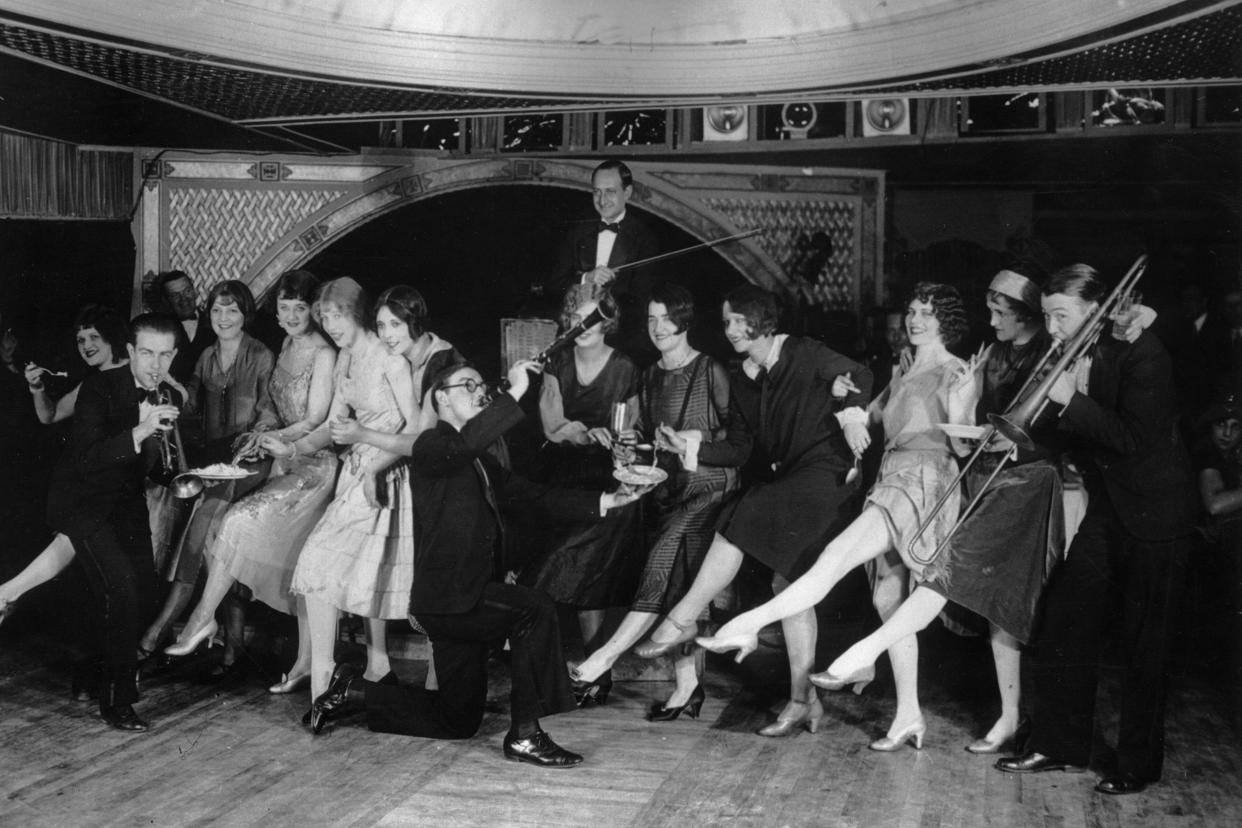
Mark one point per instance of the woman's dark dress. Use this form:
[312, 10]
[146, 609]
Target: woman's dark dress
[596, 565]
[800, 457]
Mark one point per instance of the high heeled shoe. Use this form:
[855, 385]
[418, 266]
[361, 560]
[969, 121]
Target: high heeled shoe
[655, 649]
[189, 645]
[290, 684]
[587, 693]
[784, 725]
[911, 732]
[859, 679]
[663, 713]
[744, 643]
[985, 745]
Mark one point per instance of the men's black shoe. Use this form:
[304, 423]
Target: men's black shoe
[123, 717]
[340, 699]
[539, 749]
[1122, 783]
[1034, 763]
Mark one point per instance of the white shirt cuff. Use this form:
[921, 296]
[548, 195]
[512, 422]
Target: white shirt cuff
[690, 461]
[853, 414]
[603, 510]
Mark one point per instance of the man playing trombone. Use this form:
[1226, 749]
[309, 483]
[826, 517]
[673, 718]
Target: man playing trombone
[1119, 414]
[97, 499]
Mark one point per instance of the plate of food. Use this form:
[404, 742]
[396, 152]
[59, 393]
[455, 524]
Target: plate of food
[962, 432]
[222, 471]
[640, 475]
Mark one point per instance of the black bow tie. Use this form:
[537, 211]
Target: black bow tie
[614, 227]
[150, 395]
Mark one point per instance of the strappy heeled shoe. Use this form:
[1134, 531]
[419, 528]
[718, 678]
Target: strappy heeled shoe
[812, 712]
[986, 745]
[744, 643]
[912, 732]
[859, 678]
[189, 645]
[663, 713]
[587, 693]
[290, 684]
[655, 649]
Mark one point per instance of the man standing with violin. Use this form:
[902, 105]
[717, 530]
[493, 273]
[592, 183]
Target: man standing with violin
[1119, 416]
[596, 250]
[97, 499]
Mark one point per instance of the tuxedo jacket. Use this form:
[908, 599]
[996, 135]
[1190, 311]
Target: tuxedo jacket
[1125, 429]
[458, 521]
[99, 471]
[189, 351]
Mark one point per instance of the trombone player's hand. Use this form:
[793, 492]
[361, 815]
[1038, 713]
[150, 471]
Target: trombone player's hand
[601, 276]
[153, 417]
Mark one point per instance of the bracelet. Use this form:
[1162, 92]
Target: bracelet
[294, 447]
[36, 388]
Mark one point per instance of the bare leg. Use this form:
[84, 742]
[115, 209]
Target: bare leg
[631, 628]
[861, 541]
[887, 596]
[178, 599]
[720, 565]
[302, 661]
[50, 563]
[219, 581]
[590, 622]
[801, 633]
[1007, 654]
[378, 665]
[914, 614]
[321, 618]
[686, 672]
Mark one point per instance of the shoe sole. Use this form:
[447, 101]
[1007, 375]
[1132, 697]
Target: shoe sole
[1046, 769]
[514, 758]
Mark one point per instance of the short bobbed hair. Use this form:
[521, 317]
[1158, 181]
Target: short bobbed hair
[348, 297]
[761, 308]
[947, 307]
[110, 324]
[678, 301]
[300, 285]
[579, 295]
[236, 293]
[408, 305]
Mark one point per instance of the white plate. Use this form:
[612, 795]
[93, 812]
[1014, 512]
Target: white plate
[640, 475]
[222, 475]
[962, 432]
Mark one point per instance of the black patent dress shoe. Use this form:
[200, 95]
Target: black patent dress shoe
[1034, 763]
[1122, 783]
[587, 693]
[539, 749]
[123, 717]
[341, 699]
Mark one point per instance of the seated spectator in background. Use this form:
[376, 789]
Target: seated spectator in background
[1218, 459]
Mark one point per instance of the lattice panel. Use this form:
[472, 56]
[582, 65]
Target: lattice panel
[216, 233]
[791, 226]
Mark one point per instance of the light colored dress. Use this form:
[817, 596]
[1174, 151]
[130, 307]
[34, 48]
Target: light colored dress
[360, 558]
[262, 535]
[918, 463]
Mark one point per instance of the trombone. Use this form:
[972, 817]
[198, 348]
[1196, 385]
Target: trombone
[1014, 424]
[172, 453]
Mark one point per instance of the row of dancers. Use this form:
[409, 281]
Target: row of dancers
[411, 516]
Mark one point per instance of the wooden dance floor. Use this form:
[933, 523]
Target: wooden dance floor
[237, 756]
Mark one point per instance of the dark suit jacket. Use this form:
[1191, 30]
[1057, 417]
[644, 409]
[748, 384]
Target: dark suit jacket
[631, 289]
[189, 351]
[99, 470]
[457, 530]
[1125, 428]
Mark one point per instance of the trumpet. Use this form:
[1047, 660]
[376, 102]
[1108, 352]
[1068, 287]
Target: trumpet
[172, 454]
[1015, 423]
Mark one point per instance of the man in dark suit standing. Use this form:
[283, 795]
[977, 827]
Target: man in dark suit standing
[1120, 415]
[596, 249]
[97, 499]
[194, 331]
[460, 596]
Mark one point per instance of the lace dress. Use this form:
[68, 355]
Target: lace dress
[360, 558]
[262, 534]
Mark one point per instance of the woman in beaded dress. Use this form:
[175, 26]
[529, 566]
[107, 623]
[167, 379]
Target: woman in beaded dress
[261, 535]
[683, 402]
[595, 566]
[229, 392]
[918, 466]
[359, 558]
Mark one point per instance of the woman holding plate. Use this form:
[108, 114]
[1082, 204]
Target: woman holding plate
[683, 404]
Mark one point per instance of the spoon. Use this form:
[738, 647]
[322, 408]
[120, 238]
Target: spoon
[852, 474]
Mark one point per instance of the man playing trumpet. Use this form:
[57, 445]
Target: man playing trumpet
[97, 499]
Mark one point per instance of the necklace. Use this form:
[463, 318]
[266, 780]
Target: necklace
[681, 362]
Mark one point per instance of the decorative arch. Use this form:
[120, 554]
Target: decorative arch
[253, 218]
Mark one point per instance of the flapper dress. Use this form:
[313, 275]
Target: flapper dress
[262, 535]
[360, 558]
